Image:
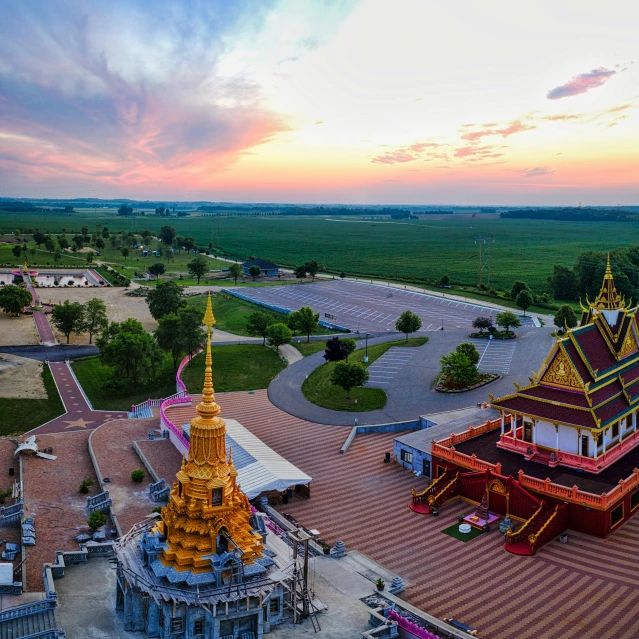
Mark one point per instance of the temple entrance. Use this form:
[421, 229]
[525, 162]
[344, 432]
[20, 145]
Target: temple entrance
[528, 432]
[584, 445]
[497, 497]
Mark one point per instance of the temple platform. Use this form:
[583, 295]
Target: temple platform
[485, 447]
[479, 522]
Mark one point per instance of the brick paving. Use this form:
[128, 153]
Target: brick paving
[586, 589]
[40, 318]
[79, 415]
[52, 498]
[163, 457]
[9, 533]
[113, 449]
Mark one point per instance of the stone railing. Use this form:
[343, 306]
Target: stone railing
[175, 433]
[101, 502]
[27, 609]
[467, 461]
[66, 557]
[154, 403]
[159, 491]
[473, 431]
[52, 633]
[11, 514]
[179, 384]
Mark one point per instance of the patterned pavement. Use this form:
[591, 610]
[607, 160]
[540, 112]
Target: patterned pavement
[586, 589]
[79, 414]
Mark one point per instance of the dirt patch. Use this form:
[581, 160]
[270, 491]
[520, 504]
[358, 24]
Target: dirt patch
[16, 331]
[21, 378]
[119, 306]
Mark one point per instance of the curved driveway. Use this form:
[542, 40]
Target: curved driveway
[409, 392]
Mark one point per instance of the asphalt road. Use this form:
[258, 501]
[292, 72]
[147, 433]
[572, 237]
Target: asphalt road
[53, 353]
[372, 308]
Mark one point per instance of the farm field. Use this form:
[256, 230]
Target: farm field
[423, 249]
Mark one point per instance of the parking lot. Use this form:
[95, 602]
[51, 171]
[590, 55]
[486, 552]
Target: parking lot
[382, 371]
[372, 308]
[495, 356]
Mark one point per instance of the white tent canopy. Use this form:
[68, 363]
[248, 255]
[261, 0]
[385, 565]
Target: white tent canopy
[259, 468]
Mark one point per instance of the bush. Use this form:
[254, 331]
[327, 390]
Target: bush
[84, 486]
[138, 475]
[96, 520]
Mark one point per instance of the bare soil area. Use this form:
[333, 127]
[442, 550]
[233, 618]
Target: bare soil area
[21, 378]
[119, 306]
[16, 331]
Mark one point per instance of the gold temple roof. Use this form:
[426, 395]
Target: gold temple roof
[205, 503]
[608, 298]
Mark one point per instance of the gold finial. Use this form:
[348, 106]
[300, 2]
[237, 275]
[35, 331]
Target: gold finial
[608, 274]
[209, 318]
[608, 298]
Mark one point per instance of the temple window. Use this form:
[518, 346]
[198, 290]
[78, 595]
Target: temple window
[216, 497]
[198, 627]
[615, 430]
[616, 515]
[177, 624]
[441, 470]
[407, 456]
[528, 432]
[634, 499]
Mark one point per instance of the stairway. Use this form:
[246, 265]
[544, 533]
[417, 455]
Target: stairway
[39, 622]
[545, 524]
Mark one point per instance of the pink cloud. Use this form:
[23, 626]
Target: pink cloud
[536, 172]
[477, 151]
[582, 83]
[424, 151]
[490, 129]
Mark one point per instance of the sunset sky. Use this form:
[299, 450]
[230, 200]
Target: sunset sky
[369, 101]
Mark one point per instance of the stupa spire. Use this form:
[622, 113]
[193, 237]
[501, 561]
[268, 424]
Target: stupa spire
[608, 298]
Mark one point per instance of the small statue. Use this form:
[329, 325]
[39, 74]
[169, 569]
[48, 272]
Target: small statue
[482, 509]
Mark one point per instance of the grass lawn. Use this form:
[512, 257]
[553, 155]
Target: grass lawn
[453, 531]
[20, 415]
[231, 313]
[308, 348]
[235, 368]
[319, 390]
[92, 374]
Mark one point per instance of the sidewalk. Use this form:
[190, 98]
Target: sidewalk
[47, 338]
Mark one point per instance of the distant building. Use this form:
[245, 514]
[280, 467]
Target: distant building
[268, 268]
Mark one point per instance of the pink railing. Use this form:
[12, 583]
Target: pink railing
[179, 384]
[473, 431]
[409, 626]
[165, 421]
[467, 461]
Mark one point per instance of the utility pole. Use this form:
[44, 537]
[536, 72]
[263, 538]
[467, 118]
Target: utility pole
[484, 241]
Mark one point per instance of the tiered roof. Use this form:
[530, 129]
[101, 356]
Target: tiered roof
[590, 378]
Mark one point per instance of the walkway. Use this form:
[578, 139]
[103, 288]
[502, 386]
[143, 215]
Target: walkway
[79, 413]
[47, 338]
[409, 387]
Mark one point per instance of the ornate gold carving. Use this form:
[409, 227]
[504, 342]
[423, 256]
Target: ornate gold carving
[629, 344]
[562, 373]
[497, 487]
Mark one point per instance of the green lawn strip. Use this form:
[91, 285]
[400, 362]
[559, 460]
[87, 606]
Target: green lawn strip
[453, 531]
[20, 415]
[92, 375]
[308, 348]
[319, 390]
[107, 275]
[231, 313]
[235, 368]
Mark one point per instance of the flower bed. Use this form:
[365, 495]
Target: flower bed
[496, 335]
[447, 386]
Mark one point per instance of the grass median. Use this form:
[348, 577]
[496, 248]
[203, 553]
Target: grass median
[319, 390]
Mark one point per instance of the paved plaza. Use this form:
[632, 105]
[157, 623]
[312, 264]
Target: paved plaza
[372, 308]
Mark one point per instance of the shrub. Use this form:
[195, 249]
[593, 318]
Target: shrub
[84, 486]
[138, 475]
[4, 494]
[96, 520]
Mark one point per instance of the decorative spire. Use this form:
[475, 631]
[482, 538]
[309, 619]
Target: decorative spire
[608, 298]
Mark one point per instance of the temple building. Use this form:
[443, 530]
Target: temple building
[202, 570]
[563, 453]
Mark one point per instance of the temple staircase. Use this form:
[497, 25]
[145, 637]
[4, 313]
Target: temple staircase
[546, 523]
[33, 620]
[440, 491]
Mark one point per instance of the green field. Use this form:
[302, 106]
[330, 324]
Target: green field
[317, 387]
[20, 415]
[421, 250]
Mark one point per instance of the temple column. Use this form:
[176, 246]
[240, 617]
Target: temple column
[556, 436]
[513, 424]
[579, 442]
[534, 431]
[595, 440]
[634, 420]
[503, 421]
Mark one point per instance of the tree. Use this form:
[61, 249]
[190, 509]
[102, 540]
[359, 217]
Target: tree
[278, 334]
[56, 256]
[39, 237]
[190, 329]
[168, 337]
[113, 240]
[167, 297]
[17, 250]
[63, 242]
[300, 271]
[457, 368]
[312, 268]
[96, 520]
[167, 235]
[14, 298]
[482, 323]
[335, 350]
[125, 209]
[445, 281]
[235, 271]
[255, 271]
[258, 323]
[563, 283]
[408, 322]
[468, 349]
[89, 257]
[506, 319]
[49, 244]
[156, 269]
[95, 317]
[68, 318]
[565, 318]
[350, 345]
[84, 230]
[198, 266]
[517, 288]
[304, 320]
[189, 244]
[342, 275]
[125, 252]
[131, 351]
[99, 243]
[524, 300]
[348, 375]
[78, 242]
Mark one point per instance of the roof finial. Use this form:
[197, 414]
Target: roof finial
[608, 274]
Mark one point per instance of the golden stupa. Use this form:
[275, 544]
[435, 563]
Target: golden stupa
[207, 512]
